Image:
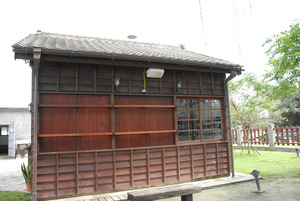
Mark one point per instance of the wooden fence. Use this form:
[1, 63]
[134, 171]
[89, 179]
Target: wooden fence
[261, 136]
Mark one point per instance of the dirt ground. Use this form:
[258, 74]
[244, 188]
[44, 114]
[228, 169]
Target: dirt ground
[275, 190]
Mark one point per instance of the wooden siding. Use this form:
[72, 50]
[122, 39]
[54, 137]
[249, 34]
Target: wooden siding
[88, 78]
[70, 173]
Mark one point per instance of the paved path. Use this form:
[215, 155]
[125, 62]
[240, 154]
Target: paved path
[10, 174]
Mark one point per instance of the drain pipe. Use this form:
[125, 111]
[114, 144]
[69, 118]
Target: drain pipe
[230, 77]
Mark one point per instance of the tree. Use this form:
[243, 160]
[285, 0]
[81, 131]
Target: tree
[284, 59]
[290, 107]
[249, 100]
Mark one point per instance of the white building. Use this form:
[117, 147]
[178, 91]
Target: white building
[15, 129]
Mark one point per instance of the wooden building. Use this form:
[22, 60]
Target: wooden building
[103, 121]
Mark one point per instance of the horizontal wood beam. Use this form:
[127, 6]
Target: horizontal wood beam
[147, 106]
[144, 132]
[129, 63]
[72, 106]
[74, 134]
[104, 106]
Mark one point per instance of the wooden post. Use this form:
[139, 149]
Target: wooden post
[36, 65]
[271, 136]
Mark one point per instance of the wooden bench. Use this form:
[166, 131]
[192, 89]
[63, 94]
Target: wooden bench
[186, 192]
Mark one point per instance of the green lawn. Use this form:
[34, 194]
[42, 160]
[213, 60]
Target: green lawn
[14, 196]
[271, 164]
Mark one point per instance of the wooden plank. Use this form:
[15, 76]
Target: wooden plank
[204, 154]
[192, 161]
[74, 134]
[165, 192]
[95, 79]
[115, 170]
[178, 162]
[73, 106]
[145, 132]
[77, 175]
[57, 176]
[144, 106]
[148, 166]
[96, 172]
[131, 168]
[217, 155]
[164, 164]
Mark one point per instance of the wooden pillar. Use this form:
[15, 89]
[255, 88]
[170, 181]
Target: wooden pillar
[36, 66]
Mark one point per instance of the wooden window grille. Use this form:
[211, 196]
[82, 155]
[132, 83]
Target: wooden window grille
[199, 119]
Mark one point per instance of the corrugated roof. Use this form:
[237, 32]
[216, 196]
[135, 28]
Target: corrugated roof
[98, 47]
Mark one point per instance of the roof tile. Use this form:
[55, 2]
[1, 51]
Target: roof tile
[68, 44]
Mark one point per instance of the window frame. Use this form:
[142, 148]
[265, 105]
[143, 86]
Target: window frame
[200, 119]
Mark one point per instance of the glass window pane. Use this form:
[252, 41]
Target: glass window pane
[193, 103]
[182, 125]
[195, 135]
[217, 124]
[182, 114]
[218, 134]
[216, 114]
[216, 104]
[193, 114]
[206, 114]
[206, 124]
[183, 136]
[207, 134]
[181, 103]
[194, 125]
[205, 104]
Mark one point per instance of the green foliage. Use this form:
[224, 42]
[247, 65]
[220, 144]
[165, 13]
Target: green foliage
[13, 196]
[249, 100]
[290, 107]
[26, 172]
[271, 164]
[284, 59]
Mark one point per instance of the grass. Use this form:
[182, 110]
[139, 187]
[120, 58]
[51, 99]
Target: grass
[271, 164]
[14, 196]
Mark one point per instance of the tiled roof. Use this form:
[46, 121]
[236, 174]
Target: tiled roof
[98, 47]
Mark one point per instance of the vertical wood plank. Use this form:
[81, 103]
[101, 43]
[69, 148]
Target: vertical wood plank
[188, 83]
[112, 80]
[217, 155]
[96, 173]
[112, 121]
[174, 83]
[200, 82]
[160, 86]
[213, 83]
[57, 176]
[175, 119]
[192, 160]
[95, 79]
[76, 83]
[148, 166]
[200, 116]
[115, 170]
[77, 174]
[57, 77]
[178, 163]
[164, 165]
[204, 155]
[131, 166]
[129, 82]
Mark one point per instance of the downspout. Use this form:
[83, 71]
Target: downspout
[36, 66]
[230, 77]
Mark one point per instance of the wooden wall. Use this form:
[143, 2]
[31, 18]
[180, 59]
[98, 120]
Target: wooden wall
[85, 78]
[70, 173]
[94, 137]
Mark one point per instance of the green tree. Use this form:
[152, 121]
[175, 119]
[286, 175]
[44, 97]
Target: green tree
[249, 100]
[284, 60]
[290, 107]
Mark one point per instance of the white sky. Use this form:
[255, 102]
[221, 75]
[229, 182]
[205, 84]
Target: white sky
[232, 30]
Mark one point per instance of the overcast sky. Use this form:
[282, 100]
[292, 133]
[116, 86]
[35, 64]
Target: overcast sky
[232, 30]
